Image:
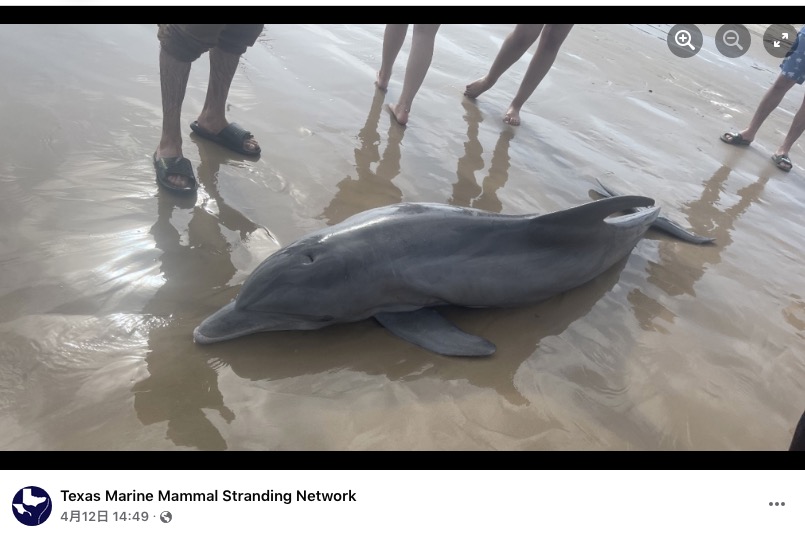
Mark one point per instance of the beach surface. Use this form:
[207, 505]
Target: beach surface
[103, 276]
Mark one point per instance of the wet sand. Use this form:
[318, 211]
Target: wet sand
[679, 347]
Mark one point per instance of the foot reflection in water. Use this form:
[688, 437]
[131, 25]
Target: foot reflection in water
[466, 191]
[707, 218]
[372, 188]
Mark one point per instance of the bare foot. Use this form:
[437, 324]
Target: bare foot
[217, 125]
[512, 117]
[178, 181]
[382, 81]
[474, 89]
[399, 113]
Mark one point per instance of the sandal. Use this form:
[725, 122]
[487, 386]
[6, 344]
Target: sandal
[782, 161]
[231, 136]
[174, 165]
[734, 138]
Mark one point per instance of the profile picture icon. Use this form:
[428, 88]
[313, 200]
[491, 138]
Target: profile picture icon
[32, 506]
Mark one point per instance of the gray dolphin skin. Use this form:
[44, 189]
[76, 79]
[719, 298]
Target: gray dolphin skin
[395, 263]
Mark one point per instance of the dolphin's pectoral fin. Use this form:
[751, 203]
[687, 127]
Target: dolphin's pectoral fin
[430, 330]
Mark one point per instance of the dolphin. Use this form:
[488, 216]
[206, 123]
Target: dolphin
[396, 263]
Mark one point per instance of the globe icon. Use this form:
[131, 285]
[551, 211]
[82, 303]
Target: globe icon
[165, 517]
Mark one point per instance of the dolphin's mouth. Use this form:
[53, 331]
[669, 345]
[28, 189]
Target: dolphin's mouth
[200, 338]
[230, 323]
[225, 324]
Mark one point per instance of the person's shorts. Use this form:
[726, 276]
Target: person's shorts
[793, 65]
[186, 42]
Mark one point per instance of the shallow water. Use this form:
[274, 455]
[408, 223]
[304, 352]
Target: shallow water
[104, 276]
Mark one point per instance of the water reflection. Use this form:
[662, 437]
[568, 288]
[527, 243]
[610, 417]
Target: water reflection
[372, 188]
[196, 268]
[466, 191]
[706, 218]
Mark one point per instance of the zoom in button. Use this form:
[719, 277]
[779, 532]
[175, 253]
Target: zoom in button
[684, 40]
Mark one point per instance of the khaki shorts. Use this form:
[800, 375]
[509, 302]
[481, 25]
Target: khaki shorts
[186, 42]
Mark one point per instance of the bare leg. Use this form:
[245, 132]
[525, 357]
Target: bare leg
[796, 130]
[514, 46]
[770, 101]
[173, 76]
[418, 64]
[392, 43]
[542, 61]
[213, 116]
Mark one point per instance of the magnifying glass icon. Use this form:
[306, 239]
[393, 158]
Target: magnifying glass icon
[731, 39]
[682, 38]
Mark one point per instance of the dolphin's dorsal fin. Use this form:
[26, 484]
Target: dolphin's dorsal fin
[596, 211]
[662, 223]
[430, 330]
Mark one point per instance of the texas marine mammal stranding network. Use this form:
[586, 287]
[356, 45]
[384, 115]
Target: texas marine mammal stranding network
[227, 495]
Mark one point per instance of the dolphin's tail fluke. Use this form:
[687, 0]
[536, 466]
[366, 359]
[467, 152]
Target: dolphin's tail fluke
[662, 223]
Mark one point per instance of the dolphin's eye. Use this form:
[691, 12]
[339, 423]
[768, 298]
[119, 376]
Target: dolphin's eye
[308, 259]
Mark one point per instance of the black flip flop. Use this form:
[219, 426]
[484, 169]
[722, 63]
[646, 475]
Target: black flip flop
[175, 165]
[782, 161]
[734, 138]
[231, 137]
